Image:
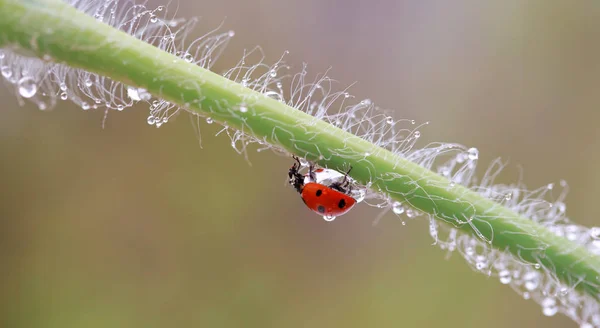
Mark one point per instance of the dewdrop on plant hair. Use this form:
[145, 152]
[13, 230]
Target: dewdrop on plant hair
[47, 83]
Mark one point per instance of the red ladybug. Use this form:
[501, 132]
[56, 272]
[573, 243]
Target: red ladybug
[326, 192]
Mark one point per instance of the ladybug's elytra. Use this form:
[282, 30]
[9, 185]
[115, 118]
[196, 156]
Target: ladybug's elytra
[326, 192]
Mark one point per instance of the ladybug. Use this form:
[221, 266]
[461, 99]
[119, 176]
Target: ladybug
[326, 192]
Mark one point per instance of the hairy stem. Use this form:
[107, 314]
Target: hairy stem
[53, 30]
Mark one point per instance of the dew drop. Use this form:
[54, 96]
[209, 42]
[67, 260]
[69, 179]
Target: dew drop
[531, 280]
[63, 86]
[537, 266]
[505, 277]
[85, 105]
[417, 134]
[27, 87]
[410, 213]
[6, 71]
[346, 95]
[188, 57]
[151, 120]
[526, 295]
[329, 218]
[389, 120]
[88, 83]
[231, 33]
[243, 108]
[564, 291]
[473, 153]
[595, 232]
[397, 208]
[508, 196]
[470, 251]
[549, 307]
[133, 94]
[160, 8]
[63, 95]
[120, 107]
[403, 222]
[273, 73]
[153, 19]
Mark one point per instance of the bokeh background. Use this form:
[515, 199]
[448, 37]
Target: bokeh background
[133, 226]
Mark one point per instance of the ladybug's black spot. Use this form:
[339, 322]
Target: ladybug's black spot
[342, 203]
[321, 209]
[319, 192]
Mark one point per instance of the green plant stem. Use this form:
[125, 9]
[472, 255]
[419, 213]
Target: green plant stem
[55, 29]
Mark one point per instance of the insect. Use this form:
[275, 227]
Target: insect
[326, 192]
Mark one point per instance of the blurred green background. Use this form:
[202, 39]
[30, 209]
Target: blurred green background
[133, 226]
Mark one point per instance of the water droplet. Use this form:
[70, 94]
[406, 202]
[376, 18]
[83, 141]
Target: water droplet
[243, 108]
[160, 8]
[403, 222]
[537, 266]
[6, 71]
[410, 213]
[153, 19]
[245, 82]
[531, 280]
[151, 120]
[480, 262]
[88, 83]
[550, 186]
[273, 73]
[595, 232]
[564, 291]
[504, 276]
[397, 208]
[367, 154]
[526, 295]
[473, 153]
[63, 86]
[346, 95]
[508, 196]
[120, 107]
[549, 307]
[63, 95]
[417, 134]
[231, 33]
[27, 87]
[329, 218]
[209, 120]
[85, 105]
[470, 251]
[389, 120]
[188, 57]
[133, 94]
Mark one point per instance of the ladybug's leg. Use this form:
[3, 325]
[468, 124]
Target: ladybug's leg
[296, 179]
[344, 185]
[311, 172]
